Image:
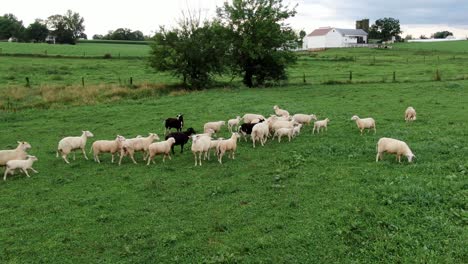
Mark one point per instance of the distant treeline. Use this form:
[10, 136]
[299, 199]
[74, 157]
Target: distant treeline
[103, 41]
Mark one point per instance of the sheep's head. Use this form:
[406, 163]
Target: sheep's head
[327, 119]
[171, 140]
[222, 123]
[275, 107]
[411, 157]
[235, 135]
[24, 145]
[33, 158]
[120, 138]
[313, 117]
[191, 131]
[88, 133]
[354, 118]
[238, 117]
[154, 136]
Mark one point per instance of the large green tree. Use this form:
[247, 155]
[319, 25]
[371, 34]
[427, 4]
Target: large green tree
[37, 31]
[385, 29]
[261, 42]
[442, 34]
[194, 51]
[10, 26]
[124, 34]
[67, 28]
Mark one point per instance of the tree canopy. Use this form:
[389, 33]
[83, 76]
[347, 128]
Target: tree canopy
[67, 28]
[385, 29]
[10, 26]
[122, 34]
[442, 34]
[37, 31]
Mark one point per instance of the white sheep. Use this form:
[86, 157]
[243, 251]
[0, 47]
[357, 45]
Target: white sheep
[280, 118]
[260, 132]
[364, 123]
[19, 153]
[227, 145]
[69, 144]
[318, 125]
[23, 165]
[297, 130]
[200, 145]
[284, 132]
[410, 114]
[163, 147]
[280, 112]
[130, 146]
[248, 118]
[393, 146]
[107, 146]
[282, 124]
[215, 126]
[304, 119]
[233, 123]
[213, 145]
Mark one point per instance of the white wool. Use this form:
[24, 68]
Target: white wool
[318, 125]
[215, 126]
[227, 145]
[107, 146]
[163, 147]
[69, 144]
[23, 165]
[393, 146]
[364, 123]
[14, 154]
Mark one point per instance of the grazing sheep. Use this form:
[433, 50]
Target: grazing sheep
[410, 114]
[213, 145]
[216, 126]
[163, 147]
[248, 118]
[393, 146]
[227, 145]
[181, 138]
[320, 124]
[284, 132]
[233, 123]
[23, 165]
[107, 146]
[177, 123]
[14, 154]
[280, 112]
[200, 145]
[364, 123]
[246, 129]
[297, 130]
[304, 119]
[69, 144]
[260, 133]
[130, 146]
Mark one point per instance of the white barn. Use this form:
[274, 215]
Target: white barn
[328, 37]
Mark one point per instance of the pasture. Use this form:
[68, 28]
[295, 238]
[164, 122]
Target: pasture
[319, 198]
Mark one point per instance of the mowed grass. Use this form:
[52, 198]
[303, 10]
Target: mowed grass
[320, 198]
[79, 50]
[449, 46]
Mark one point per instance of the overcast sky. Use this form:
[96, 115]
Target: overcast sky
[416, 16]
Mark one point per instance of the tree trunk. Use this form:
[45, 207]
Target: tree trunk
[248, 78]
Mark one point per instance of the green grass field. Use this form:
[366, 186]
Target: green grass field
[320, 198]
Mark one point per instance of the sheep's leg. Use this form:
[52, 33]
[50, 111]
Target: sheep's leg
[375, 130]
[84, 153]
[6, 173]
[121, 157]
[164, 158]
[35, 171]
[181, 148]
[200, 156]
[377, 157]
[195, 156]
[132, 157]
[74, 158]
[253, 142]
[169, 155]
[64, 157]
[26, 172]
[399, 158]
[233, 154]
[112, 158]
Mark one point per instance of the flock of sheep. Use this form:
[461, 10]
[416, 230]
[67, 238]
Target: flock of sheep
[256, 126]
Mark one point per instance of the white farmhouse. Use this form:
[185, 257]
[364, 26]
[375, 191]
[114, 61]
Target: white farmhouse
[328, 37]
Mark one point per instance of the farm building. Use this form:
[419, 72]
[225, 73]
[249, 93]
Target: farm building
[328, 37]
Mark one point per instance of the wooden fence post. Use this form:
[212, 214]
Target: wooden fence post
[394, 76]
[131, 80]
[82, 81]
[350, 76]
[27, 82]
[304, 78]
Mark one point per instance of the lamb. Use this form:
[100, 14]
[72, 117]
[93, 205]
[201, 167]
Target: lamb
[304, 119]
[107, 146]
[320, 124]
[130, 146]
[364, 123]
[394, 146]
[284, 132]
[23, 165]
[283, 124]
[163, 147]
[14, 154]
[280, 112]
[216, 126]
[227, 145]
[181, 138]
[248, 118]
[297, 130]
[200, 145]
[233, 123]
[260, 132]
[177, 123]
[69, 144]
[410, 114]
[213, 145]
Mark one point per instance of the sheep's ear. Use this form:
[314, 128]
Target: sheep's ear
[19, 142]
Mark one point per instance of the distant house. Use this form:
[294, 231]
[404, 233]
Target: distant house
[50, 39]
[327, 37]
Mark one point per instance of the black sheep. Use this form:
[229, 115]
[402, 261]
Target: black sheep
[177, 123]
[246, 128]
[181, 138]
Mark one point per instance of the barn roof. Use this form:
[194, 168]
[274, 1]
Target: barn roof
[320, 32]
[352, 32]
